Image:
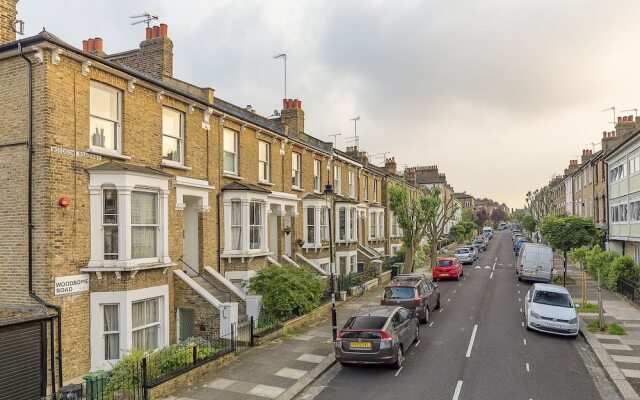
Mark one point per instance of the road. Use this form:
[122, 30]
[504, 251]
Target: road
[477, 348]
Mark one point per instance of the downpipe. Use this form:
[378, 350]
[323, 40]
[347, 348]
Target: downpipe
[30, 227]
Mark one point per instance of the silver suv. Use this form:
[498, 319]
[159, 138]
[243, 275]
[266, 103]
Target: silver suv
[464, 255]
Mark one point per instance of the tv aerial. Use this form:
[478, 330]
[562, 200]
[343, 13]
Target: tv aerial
[145, 17]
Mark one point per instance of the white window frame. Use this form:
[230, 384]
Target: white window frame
[106, 333]
[373, 225]
[147, 324]
[366, 188]
[353, 224]
[179, 138]
[118, 121]
[317, 176]
[110, 256]
[127, 182]
[259, 226]
[394, 225]
[296, 170]
[381, 225]
[155, 226]
[337, 179]
[125, 300]
[234, 153]
[264, 166]
[375, 190]
[235, 226]
[245, 198]
[352, 184]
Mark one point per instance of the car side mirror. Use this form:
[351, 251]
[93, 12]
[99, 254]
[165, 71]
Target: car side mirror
[435, 285]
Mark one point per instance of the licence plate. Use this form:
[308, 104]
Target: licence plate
[444, 274]
[552, 325]
[529, 272]
[360, 345]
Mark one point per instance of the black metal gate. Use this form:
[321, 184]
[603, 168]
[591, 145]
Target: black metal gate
[23, 365]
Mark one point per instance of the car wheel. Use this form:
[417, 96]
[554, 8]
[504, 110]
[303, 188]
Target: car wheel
[458, 277]
[437, 304]
[417, 338]
[462, 272]
[526, 324]
[519, 278]
[426, 316]
[399, 359]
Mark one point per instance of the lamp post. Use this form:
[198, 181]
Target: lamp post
[328, 196]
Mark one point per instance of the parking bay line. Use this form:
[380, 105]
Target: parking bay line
[397, 373]
[431, 324]
[417, 344]
[527, 365]
[473, 338]
[456, 392]
[524, 341]
[491, 276]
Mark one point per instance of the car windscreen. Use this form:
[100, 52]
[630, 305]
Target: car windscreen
[478, 241]
[365, 322]
[461, 251]
[444, 263]
[399, 292]
[552, 298]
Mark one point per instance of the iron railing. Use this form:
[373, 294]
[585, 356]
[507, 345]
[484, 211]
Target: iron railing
[629, 289]
[208, 280]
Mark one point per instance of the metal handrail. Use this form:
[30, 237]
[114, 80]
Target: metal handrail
[207, 280]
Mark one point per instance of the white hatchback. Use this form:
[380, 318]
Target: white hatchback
[549, 308]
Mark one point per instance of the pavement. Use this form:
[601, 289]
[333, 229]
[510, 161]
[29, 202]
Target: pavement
[620, 355]
[279, 369]
[478, 348]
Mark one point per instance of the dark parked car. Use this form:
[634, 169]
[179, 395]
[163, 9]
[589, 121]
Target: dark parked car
[413, 292]
[379, 335]
[480, 244]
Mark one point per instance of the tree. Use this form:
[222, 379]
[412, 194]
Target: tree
[539, 203]
[528, 223]
[288, 290]
[565, 232]
[497, 215]
[579, 255]
[517, 216]
[463, 230]
[468, 214]
[413, 214]
[438, 221]
[481, 218]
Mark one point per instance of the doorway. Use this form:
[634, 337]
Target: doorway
[273, 232]
[287, 237]
[191, 235]
[186, 323]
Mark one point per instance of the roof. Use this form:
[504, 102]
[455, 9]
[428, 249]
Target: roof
[245, 187]
[550, 288]
[376, 311]
[117, 166]
[622, 144]
[429, 179]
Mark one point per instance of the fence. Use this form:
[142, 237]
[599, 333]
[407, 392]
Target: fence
[133, 379]
[629, 289]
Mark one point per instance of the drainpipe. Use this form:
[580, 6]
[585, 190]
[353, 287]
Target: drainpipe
[218, 228]
[30, 227]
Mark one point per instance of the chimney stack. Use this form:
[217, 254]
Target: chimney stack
[292, 115]
[155, 55]
[8, 14]
[93, 46]
[390, 165]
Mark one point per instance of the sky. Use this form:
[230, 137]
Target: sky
[500, 94]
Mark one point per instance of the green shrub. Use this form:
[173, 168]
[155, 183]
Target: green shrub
[125, 379]
[288, 290]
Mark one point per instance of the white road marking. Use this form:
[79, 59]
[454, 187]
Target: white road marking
[518, 285]
[460, 284]
[430, 325]
[496, 260]
[448, 300]
[525, 341]
[519, 299]
[518, 292]
[417, 344]
[527, 364]
[397, 373]
[500, 265]
[521, 310]
[456, 393]
[491, 276]
[487, 267]
[477, 266]
[455, 290]
[441, 310]
[473, 338]
[521, 322]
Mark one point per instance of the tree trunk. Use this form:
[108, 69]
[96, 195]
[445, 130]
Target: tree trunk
[584, 288]
[408, 259]
[434, 254]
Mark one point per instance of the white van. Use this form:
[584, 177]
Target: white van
[534, 263]
[487, 231]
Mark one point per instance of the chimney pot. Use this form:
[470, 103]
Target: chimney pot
[630, 118]
[149, 33]
[299, 103]
[164, 30]
[624, 119]
[97, 42]
[156, 31]
[619, 119]
[604, 134]
[85, 46]
[91, 45]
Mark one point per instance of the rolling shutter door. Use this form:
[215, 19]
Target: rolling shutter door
[21, 361]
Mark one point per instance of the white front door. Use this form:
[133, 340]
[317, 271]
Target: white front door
[273, 233]
[287, 237]
[191, 235]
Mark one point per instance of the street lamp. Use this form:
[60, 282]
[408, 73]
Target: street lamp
[328, 196]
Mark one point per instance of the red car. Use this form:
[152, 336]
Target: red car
[447, 267]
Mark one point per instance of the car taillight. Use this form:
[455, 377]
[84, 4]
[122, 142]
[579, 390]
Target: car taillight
[340, 334]
[385, 336]
[419, 299]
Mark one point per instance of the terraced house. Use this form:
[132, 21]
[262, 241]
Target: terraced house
[136, 205]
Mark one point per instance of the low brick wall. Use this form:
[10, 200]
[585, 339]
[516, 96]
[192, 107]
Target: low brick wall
[189, 377]
[385, 277]
[318, 313]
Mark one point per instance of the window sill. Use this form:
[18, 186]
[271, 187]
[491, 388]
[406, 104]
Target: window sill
[107, 153]
[242, 255]
[317, 192]
[232, 176]
[173, 164]
[297, 189]
[118, 268]
[265, 183]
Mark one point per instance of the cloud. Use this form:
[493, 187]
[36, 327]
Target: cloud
[499, 93]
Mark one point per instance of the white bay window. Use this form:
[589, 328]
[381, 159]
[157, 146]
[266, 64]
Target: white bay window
[347, 223]
[245, 216]
[315, 219]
